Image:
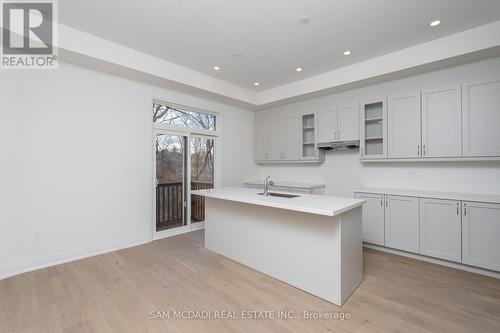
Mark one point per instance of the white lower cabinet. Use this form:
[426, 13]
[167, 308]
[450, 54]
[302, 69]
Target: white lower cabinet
[402, 223]
[373, 218]
[460, 231]
[480, 235]
[441, 229]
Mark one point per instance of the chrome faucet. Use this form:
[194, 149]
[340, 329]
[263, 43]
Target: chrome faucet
[268, 182]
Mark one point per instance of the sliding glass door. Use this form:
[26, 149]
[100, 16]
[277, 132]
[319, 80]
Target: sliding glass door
[186, 141]
[202, 173]
[171, 181]
[183, 162]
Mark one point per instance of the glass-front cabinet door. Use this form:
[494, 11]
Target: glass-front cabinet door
[308, 141]
[373, 133]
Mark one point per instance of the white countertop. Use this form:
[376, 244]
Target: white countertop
[307, 203]
[477, 197]
[279, 183]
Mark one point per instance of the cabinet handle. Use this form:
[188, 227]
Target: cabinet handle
[362, 151]
[386, 203]
[424, 149]
[465, 209]
[418, 150]
[458, 209]
[338, 135]
[381, 204]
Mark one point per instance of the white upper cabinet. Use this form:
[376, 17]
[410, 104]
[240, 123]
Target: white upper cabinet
[348, 122]
[268, 140]
[441, 229]
[481, 118]
[373, 131]
[287, 138]
[291, 138]
[273, 140]
[373, 218]
[481, 228]
[441, 122]
[402, 223]
[339, 123]
[309, 150]
[327, 125]
[403, 131]
[260, 141]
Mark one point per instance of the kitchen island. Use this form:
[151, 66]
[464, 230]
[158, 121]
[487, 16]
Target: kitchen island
[311, 242]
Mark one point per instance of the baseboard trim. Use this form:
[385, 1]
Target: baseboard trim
[68, 256]
[462, 267]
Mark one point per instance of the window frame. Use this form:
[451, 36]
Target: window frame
[218, 120]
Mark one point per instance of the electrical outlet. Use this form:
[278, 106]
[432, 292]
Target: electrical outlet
[36, 234]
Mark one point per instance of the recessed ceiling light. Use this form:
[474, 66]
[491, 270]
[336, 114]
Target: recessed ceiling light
[216, 68]
[347, 52]
[435, 23]
[256, 84]
[238, 55]
[298, 69]
[304, 20]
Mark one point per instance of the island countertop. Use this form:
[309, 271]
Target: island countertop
[307, 203]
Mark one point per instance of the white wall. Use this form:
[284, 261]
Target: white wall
[76, 162]
[342, 172]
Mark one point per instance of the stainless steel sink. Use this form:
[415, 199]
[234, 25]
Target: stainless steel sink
[281, 195]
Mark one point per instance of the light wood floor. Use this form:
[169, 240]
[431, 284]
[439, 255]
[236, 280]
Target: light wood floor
[116, 292]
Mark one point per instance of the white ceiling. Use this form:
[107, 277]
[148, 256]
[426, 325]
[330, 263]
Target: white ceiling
[200, 34]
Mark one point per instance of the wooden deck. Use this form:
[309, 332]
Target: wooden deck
[116, 292]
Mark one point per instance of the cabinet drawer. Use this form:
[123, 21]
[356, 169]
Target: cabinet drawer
[300, 190]
[254, 186]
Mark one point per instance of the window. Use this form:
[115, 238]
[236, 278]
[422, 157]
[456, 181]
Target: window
[167, 115]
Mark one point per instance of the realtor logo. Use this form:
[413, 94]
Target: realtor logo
[28, 35]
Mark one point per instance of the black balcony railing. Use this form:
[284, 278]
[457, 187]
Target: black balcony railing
[169, 204]
[198, 202]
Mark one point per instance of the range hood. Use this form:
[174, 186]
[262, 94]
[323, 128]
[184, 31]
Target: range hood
[339, 145]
